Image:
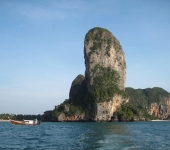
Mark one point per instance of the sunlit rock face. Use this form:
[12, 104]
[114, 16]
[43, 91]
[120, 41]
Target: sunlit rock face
[96, 96]
[102, 48]
[104, 111]
[161, 109]
[156, 101]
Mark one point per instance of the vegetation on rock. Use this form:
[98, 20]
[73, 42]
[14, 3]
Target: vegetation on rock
[68, 109]
[90, 35]
[96, 35]
[105, 84]
[19, 117]
[143, 98]
[76, 103]
[76, 85]
[139, 104]
[101, 83]
[129, 112]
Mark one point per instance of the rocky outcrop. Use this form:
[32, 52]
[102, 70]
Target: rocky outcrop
[161, 109]
[101, 94]
[156, 101]
[96, 96]
[102, 48]
[105, 72]
[75, 86]
[104, 111]
[75, 117]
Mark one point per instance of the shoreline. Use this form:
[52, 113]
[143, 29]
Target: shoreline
[160, 120]
[4, 121]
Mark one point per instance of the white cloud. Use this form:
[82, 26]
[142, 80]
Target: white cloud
[40, 12]
[48, 10]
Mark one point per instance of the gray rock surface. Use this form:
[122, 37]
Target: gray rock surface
[75, 86]
[101, 47]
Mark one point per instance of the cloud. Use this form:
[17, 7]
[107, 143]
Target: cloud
[40, 12]
[56, 10]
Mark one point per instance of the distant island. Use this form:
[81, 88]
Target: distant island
[101, 95]
[5, 117]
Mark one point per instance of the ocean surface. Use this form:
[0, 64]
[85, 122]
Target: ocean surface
[86, 136]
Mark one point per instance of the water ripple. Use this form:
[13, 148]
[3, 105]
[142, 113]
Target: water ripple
[86, 135]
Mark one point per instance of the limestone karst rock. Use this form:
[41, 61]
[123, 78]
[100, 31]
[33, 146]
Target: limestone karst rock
[96, 96]
[102, 48]
[156, 101]
[101, 94]
[75, 86]
[105, 72]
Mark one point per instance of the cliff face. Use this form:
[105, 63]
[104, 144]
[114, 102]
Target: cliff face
[75, 86]
[161, 109]
[105, 110]
[103, 49]
[105, 73]
[96, 96]
[156, 101]
[100, 95]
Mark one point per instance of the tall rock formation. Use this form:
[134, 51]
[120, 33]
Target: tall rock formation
[96, 96]
[75, 86]
[105, 73]
[102, 48]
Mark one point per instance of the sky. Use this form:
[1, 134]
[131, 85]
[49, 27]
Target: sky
[42, 43]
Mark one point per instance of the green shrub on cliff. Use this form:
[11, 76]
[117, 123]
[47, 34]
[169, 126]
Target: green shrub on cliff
[92, 36]
[105, 84]
[129, 112]
[68, 108]
[144, 97]
[126, 112]
[96, 46]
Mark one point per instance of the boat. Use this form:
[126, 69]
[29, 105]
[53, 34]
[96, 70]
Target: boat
[25, 122]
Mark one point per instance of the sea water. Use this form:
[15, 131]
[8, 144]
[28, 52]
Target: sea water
[86, 136]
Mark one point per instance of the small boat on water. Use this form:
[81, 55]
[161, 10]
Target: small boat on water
[25, 122]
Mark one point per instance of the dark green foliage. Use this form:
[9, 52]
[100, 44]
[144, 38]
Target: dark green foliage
[77, 103]
[75, 86]
[5, 116]
[90, 35]
[78, 80]
[126, 112]
[155, 94]
[144, 97]
[108, 44]
[105, 84]
[129, 112]
[137, 97]
[96, 46]
[78, 100]
[28, 117]
[73, 109]
[20, 117]
[95, 34]
[141, 99]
